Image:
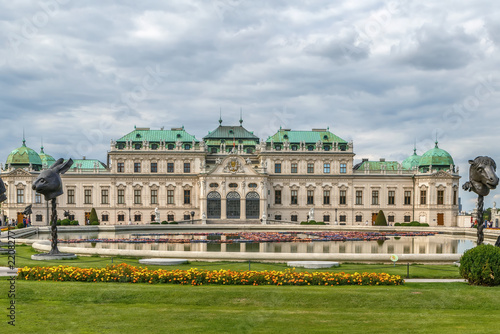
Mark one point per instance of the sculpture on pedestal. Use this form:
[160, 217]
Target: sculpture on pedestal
[482, 179]
[49, 184]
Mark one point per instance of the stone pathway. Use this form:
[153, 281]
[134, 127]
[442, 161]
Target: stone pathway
[5, 271]
[434, 280]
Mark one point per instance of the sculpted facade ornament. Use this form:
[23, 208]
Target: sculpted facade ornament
[233, 166]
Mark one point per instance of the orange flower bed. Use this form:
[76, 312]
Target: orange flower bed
[131, 274]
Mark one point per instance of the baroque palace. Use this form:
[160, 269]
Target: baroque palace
[232, 176]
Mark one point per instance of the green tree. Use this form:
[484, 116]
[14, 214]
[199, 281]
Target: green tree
[380, 220]
[93, 216]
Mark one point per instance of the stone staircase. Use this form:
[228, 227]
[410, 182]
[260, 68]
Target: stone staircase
[234, 221]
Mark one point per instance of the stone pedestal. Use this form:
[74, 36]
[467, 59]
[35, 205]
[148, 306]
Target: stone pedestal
[50, 257]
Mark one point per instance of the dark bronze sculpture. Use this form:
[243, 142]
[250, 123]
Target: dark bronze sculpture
[3, 197]
[49, 184]
[27, 210]
[482, 179]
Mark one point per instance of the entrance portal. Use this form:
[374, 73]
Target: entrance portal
[233, 205]
[213, 205]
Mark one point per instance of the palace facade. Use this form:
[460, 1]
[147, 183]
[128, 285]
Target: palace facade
[232, 176]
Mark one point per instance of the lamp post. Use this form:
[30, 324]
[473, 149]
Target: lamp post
[192, 216]
[336, 221]
[129, 217]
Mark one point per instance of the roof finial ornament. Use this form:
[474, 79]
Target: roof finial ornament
[41, 147]
[220, 116]
[24, 139]
[436, 140]
[241, 117]
[415, 147]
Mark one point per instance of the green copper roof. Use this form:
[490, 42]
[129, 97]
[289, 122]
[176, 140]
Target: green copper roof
[306, 136]
[436, 157]
[47, 160]
[87, 164]
[139, 135]
[377, 165]
[412, 161]
[230, 132]
[24, 156]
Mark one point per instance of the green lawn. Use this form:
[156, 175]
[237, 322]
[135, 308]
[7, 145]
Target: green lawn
[23, 258]
[73, 307]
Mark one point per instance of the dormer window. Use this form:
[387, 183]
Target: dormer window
[138, 135]
[294, 147]
[154, 146]
[278, 147]
[285, 136]
[137, 146]
[310, 148]
[187, 146]
[170, 146]
[178, 135]
[325, 137]
[327, 147]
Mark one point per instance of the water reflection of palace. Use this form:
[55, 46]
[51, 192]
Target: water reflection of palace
[404, 245]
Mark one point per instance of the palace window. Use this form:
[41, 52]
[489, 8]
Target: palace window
[187, 146]
[342, 197]
[326, 197]
[87, 196]
[71, 196]
[137, 218]
[407, 219]
[342, 218]
[359, 218]
[170, 197]
[170, 218]
[187, 167]
[374, 197]
[310, 148]
[121, 196]
[154, 196]
[277, 197]
[20, 195]
[343, 168]
[326, 168]
[359, 197]
[294, 168]
[38, 198]
[390, 219]
[310, 167]
[440, 197]
[170, 146]
[170, 167]
[137, 146]
[39, 218]
[104, 196]
[294, 196]
[277, 168]
[423, 197]
[154, 167]
[326, 218]
[187, 217]
[121, 218]
[137, 167]
[137, 196]
[294, 218]
[120, 167]
[104, 218]
[187, 196]
[310, 197]
[294, 147]
[407, 197]
[454, 197]
[391, 198]
[277, 217]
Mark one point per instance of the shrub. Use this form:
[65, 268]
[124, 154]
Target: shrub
[20, 225]
[481, 265]
[95, 222]
[154, 223]
[414, 224]
[164, 222]
[74, 222]
[93, 217]
[173, 223]
[397, 224]
[380, 221]
[58, 222]
[65, 222]
[424, 224]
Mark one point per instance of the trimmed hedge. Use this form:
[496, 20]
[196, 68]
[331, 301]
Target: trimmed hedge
[380, 220]
[95, 223]
[154, 223]
[481, 265]
[20, 225]
[411, 224]
[312, 222]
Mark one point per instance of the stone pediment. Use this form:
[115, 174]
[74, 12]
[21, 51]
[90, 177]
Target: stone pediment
[233, 165]
[19, 172]
[441, 174]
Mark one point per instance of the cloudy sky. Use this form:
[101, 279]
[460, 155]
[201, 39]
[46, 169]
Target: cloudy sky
[385, 74]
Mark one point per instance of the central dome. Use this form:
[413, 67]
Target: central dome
[412, 161]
